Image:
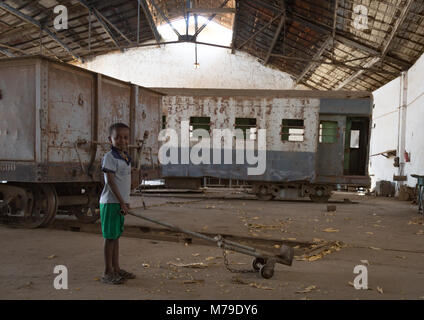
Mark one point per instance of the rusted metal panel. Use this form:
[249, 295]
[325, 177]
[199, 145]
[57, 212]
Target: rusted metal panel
[69, 114]
[60, 116]
[17, 125]
[286, 160]
[148, 119]
[114, 107]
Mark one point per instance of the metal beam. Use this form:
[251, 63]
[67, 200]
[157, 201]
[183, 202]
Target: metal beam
[165, 17]
[34, 22]
[233, 40]
[149, 18]
[113, 26]
[274, 40]
[210, 19]
[211, 10]
[344, 39]
[386, 47]
[7, 53]
[317, 56]
[98, 15]
[260, 30]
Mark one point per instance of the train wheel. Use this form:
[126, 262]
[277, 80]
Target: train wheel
[89, 213]
[45, 207]
[320, 194]
[264, 193]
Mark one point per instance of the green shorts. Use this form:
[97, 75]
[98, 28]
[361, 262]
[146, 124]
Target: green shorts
[112, 220]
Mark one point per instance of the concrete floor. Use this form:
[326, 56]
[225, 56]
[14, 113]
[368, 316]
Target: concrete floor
[384, 234]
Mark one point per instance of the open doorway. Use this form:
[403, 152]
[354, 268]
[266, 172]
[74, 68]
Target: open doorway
[356, 142]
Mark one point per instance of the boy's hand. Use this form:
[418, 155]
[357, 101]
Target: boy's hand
[124, 209]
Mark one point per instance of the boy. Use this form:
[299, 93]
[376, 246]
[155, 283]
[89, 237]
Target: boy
[114, 200]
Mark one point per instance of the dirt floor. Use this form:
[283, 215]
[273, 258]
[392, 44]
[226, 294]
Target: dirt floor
[383, 234]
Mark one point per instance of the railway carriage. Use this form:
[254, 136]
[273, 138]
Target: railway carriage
[315, 140]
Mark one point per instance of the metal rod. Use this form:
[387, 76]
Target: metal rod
[165, 17]
[138, 21]
[209, 19]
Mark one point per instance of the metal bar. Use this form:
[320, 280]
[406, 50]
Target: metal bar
[34, 22]
[66, 201]
[318, 55]
[336, 7]
[103, 20]
[89, 30]
[7, 53]
[386, 47]
[211, 10]
[274, 40]
[209, 19]
[187, 14]
[260, 30]
[138, 21]
[164, 17]
[149, 18]
[233, 40]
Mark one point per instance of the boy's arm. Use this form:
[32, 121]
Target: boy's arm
[115, 190]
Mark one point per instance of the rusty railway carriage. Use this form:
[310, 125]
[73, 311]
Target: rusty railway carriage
[315, 140]
[54, 121]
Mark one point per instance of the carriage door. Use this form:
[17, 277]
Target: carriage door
[330, 145]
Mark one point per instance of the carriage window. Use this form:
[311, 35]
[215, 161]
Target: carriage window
[328, 131]
[292, 130]
[248, 126]
[199, 123]
[163, 122]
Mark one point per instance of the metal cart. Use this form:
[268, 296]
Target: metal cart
[263, 262]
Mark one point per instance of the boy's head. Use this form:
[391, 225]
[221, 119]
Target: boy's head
[119, 135]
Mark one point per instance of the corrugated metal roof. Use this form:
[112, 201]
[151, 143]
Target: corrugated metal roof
[326, 45]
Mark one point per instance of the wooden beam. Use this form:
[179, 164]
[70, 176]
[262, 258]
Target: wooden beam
[149, 18]
[34, 22]
[386, 46]
[317, 56]
[274, 40]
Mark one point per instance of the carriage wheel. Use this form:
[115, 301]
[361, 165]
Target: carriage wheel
[45, 207]
[89, 213]
[264, 193]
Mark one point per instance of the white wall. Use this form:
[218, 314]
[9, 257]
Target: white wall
[385, 135]
[173, 65]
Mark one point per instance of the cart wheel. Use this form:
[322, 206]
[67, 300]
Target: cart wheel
[258, 263]
[267, 271]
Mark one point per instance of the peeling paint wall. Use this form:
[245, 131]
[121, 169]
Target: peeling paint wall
[385, 131]
[173, 66]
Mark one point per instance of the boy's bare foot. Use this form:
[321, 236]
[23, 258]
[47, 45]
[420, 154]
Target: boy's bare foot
[112, 279]
[126, 275]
